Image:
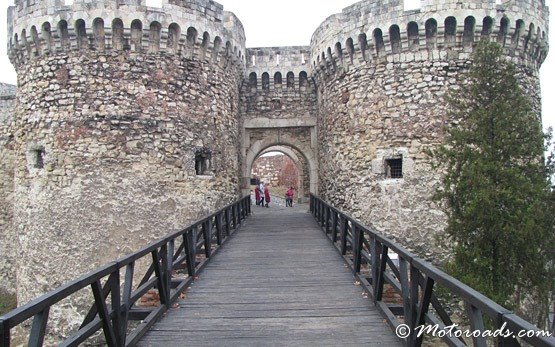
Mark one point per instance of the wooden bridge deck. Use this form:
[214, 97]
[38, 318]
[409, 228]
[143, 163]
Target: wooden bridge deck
[278, 281]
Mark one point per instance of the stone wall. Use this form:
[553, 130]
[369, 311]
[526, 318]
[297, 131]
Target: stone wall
[123, 135]
[278, 108]
[7, 237]
[269, 168]
[381, 74]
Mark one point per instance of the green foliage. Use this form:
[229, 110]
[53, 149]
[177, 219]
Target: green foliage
[497, 184]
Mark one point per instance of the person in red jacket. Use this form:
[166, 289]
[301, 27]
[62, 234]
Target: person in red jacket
[267, 194]
[289, 197]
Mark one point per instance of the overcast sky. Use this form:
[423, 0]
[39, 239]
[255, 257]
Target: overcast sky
[291, 23]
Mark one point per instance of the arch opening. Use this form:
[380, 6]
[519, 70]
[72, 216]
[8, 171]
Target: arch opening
[282, 167]
[288, 145]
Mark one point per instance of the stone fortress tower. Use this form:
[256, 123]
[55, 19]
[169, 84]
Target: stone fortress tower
[381, 74]
[125, 128]
[131, 121]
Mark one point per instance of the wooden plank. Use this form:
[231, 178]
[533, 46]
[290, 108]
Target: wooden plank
[278, 281]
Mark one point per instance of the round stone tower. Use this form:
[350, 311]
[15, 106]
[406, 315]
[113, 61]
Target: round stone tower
[126, 127]
[381, 74]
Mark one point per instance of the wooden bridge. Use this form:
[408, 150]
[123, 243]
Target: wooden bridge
[274, 278]
[277, 281]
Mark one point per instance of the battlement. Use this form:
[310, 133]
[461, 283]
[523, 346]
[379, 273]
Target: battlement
[193, 28]
[206, 8]
[378, 31]
[278, 67]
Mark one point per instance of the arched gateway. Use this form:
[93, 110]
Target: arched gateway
[261, 134]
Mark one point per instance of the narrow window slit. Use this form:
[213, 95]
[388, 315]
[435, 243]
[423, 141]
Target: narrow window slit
[203, 162]
[38, 158]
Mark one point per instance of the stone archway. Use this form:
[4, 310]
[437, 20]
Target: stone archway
[262, 134]
[300, 164]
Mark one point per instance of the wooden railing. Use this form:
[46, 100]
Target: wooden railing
[115, 300]
[411, 284]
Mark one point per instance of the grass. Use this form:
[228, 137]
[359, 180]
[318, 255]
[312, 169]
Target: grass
[7, 302]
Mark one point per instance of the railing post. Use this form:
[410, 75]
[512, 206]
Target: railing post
[190, 249]
[423, 309]
[227, 222]
[38, 329]
[405, 288]
[476, 324]
[334, 226]
[358, 236]
[164, 276]
[127, 289]
[375, 259]
[414, 297]
[344, 226]
[4, 334]
[219, 228]
[234, 209]
[378, 288]
[327, 226]
[169, 267]
[103, 314]
[206, 231]
[116, 306]
[321, 213]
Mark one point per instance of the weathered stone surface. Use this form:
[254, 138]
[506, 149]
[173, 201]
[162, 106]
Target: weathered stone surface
[131, 120]
[7, 237]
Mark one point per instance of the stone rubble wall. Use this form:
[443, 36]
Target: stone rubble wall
[107, 131]
[7, 237]
[268, 168]
[379, 102]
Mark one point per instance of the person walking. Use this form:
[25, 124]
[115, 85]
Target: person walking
[257, 195]
[289, 197]
[267, 194]
[262, 189]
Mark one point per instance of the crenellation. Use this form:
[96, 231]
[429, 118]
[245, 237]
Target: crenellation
[392, 21]
[151, 27]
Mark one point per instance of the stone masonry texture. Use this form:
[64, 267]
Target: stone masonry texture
[115, 100]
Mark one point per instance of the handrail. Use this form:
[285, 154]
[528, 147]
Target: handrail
[113, 308]
[415, 281]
